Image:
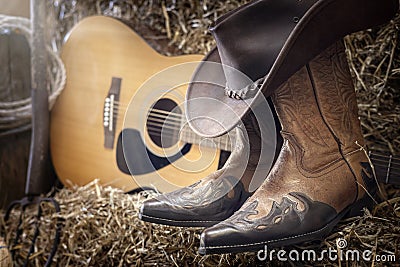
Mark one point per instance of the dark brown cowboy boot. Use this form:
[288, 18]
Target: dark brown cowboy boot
[322, 173]
[217, 196]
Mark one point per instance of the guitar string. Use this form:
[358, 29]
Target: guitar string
[387, 161]
[165, 118]
[394, 167]
[165, 125]
[160, 129]
[160, 122]
[376, 154]
[171, 116]
[165, 122]
[178, 126]
[161, 118]
[217, 142]
[168, 113]
[392, 170]
[120, 107]
[158, 134]
[188, 134]
[173, 125]
[166, 129]
[377, 162]
[384, 161]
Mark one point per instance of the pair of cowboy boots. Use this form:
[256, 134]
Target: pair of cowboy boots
[322, 172]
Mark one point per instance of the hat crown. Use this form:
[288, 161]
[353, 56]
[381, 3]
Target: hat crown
[249, 41]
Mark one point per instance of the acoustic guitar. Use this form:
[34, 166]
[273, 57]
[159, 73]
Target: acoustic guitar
[120, 117]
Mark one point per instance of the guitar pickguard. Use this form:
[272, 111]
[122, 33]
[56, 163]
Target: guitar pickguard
[134, 158]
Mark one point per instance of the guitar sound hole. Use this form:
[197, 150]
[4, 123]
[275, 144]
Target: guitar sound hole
[164, 122]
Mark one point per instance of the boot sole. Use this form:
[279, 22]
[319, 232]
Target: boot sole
[182, 223]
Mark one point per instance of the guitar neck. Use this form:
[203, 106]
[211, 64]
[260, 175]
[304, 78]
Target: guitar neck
[223, 142]
[387, 168]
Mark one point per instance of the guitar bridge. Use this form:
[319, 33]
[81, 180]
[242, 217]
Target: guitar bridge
[110, 112]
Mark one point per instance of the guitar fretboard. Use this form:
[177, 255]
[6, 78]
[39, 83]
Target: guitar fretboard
[223, 142]
[387, 167]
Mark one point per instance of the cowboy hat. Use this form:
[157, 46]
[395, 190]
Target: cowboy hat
[263, 43]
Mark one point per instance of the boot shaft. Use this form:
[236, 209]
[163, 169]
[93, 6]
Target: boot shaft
[318, 109]
[336, 97]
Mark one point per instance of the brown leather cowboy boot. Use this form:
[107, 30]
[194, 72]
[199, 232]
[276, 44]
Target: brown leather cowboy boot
[322, 173]
[217, 196]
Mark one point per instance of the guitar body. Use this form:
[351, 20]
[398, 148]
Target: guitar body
[100, 127]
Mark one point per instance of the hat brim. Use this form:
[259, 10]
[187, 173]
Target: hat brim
[209, 111]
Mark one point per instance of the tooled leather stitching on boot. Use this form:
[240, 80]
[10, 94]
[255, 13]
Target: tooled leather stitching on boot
[341, 118]
[303, 125]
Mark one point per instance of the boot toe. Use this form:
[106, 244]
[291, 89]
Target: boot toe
[161, 212]
[158, 211]
[202, 208]
[218, 238]
[238, 233]
[152, 208]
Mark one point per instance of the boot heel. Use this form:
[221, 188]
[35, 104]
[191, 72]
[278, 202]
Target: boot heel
[357, 209]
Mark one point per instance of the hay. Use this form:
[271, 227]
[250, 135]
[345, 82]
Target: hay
[100, 225]
[5, 256]
[101, 228]
[374, 58]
